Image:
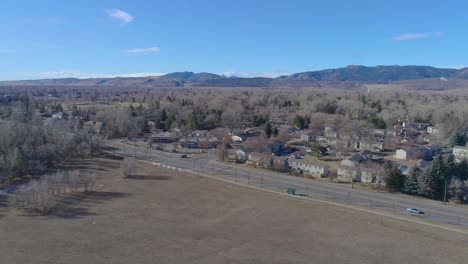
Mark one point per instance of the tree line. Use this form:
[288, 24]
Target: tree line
[443, 179]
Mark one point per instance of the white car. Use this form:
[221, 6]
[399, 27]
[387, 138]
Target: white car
[414, 211]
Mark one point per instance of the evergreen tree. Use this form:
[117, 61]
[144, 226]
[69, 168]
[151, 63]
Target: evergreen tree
[192, 122]
[411, 185]
[169, 122]
[432, 181]
[268, 130]
[163, 115]
[307, 121]
[59, 108]
[299, 122]
[395, 180]
[158, 124]
[18, 165]
[275, 132]
[461, 170]
[144, 127]
[450, 167]
[458, 139]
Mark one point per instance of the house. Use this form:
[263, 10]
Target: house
[276, 147]
[236, 139]
[370, 175]
[421, 152]
[238, 136]
[242, 154]
[331, 132]
[94, 126]
[416, 126]
[319, 169]
[309, 136]
[199, 133]
[60, 115]
[350, 172]
[368, 145]
[268, 161]
[460, 153]
[356, 159]
[260, 159]
[163, 137]
[202, 142]
[280, 163]
[362, 174]
[432, 130]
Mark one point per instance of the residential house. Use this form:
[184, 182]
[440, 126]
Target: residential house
[369, 145]
[242, 154]
[319, 169]
[268, 161]
[350, 172]
[260, 160]
[280, 163]
[199, 133]
[432, 130]
[236, 139]
[416, 126]
[94, 126]
[331, 132]
[414, 153]
[309, 136]
[357, 159]
[362, 174]
[370, 175]
[276, 147]
[202, 142]
[60, 115]
[163, 137]
[460, 153]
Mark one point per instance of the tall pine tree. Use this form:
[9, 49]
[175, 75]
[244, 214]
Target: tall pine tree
[432, 181]
[268, 130]
[411, 185]
[395, 179]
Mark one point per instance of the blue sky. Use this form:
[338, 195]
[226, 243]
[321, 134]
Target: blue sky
[84, 38]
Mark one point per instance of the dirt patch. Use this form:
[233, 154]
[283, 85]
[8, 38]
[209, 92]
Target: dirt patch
[161, 216]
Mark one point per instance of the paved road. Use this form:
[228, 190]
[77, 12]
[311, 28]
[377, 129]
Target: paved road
[205, 163]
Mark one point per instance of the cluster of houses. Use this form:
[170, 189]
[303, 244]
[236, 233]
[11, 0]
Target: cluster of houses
[288, 163]
[364, 164]
[198, 139]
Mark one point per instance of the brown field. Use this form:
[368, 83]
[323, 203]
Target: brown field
[159, 216]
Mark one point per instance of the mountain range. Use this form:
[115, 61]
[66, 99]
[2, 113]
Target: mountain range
[347, 77]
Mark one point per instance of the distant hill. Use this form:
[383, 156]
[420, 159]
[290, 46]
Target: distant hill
[350, 77]
[358, 73]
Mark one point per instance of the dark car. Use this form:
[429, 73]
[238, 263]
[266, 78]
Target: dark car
[183, 156]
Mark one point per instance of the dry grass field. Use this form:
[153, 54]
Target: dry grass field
[158, 216]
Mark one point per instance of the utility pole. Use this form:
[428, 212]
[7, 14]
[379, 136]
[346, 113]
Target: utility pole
[445, 192]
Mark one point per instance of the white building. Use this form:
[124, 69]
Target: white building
[309, 167]
[349, 172]
[460, 153]
[236, 139]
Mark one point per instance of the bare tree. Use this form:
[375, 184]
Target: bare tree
[127, 167]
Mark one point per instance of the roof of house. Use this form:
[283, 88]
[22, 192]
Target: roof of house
[310, 162]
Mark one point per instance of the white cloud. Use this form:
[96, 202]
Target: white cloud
[254, 74]
[85, 75]
[410, 36]
[144, 50]
[120, 15]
